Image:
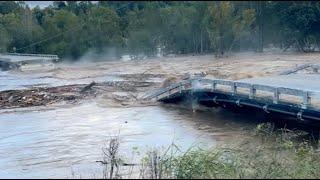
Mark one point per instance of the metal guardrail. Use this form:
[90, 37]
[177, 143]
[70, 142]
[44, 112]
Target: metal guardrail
[34, 55]
[4, 59]
[168, 88]
[276, 91]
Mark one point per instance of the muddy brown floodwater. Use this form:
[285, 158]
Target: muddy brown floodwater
[65, 138]
[57, 142]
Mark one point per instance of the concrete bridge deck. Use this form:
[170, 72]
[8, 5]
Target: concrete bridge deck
[16, 60]
[19, 57]
[297, 96]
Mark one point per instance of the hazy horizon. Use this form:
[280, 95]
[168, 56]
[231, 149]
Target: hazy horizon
[41, 4]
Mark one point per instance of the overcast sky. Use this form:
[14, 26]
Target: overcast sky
[41, 4]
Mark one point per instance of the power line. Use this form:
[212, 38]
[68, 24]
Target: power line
[57, 35]
[52, 37]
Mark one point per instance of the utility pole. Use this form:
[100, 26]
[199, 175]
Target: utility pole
[260, 14]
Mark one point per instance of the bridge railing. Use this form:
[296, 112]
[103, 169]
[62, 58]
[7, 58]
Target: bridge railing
[233, 86]
[4, 59]
[35, 55]
[183, 85]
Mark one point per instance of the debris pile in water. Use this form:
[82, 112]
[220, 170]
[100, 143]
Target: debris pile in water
[44, 96]
[41, 96]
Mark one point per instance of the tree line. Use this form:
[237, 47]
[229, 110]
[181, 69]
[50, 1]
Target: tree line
[71, 28]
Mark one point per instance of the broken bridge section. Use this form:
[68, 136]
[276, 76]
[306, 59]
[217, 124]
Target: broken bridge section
[301, 104]
[18, 60]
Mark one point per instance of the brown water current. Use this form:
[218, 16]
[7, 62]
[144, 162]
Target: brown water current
[55, 143]
[58, 141]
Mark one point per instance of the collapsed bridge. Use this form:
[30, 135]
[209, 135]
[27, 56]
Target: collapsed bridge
[17, 60]
[291, 100]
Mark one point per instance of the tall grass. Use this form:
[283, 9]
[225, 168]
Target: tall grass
[281, 153]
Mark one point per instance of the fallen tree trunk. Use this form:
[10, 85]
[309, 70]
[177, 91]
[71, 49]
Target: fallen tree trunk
[298, 68]
[88, 87]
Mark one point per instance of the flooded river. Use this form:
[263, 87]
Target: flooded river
[66, 140]
[9, 81]
[59, 142]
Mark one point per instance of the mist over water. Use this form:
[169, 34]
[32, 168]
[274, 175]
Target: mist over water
[107, 54]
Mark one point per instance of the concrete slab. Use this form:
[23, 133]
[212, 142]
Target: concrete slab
[308, 82]
[305, 82]
[23, 58]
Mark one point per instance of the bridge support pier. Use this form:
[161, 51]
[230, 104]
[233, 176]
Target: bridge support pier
[252, 92]
[194, 104]
[205, 92]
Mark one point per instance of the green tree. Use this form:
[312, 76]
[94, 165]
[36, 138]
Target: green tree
[22, 30]
[102, 28]
[226, 25]
[69, 29]
[179, 32]
[301, 22]
[144, 27]
[67, 25]
[4, 39]
[7, 7]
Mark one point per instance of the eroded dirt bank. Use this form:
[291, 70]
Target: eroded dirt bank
[68, 82]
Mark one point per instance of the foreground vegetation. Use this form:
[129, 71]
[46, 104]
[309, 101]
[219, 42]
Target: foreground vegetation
[72, 28]
[280, 153]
